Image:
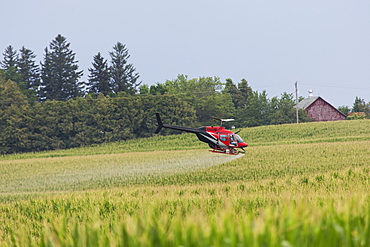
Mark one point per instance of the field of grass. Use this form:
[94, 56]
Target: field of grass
[297, 185]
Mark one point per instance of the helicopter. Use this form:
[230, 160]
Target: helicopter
[218, 138]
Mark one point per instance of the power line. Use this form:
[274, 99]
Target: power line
[335, 86]
[278, 84]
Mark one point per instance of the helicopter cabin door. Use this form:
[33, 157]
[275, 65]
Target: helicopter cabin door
[229, 140]
[233, 142]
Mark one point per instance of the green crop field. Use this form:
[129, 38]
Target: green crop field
[297, 185]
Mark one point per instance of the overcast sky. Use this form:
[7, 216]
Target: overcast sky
[322, 44]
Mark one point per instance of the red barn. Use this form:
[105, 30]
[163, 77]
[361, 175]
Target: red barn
[320, 110]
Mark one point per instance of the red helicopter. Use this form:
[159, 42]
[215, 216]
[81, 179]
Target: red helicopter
[218, 138]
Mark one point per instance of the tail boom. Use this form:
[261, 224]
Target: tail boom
[181, 128]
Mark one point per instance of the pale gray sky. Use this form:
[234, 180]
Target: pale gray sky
[322, 44]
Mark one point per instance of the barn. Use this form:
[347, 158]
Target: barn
[320, 110]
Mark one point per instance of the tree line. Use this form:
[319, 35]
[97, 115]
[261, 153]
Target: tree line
[47, 106]
[360, 108]
[52, 124]
[49, 125]
[208, 96]
[58, 76]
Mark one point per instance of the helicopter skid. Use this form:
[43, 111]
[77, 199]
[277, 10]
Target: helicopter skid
[223, 151]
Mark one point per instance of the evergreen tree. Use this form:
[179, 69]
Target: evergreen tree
[123, 75]
[10, 58]
[245, 90]
[99, 78]
[231, 89]
[359, 105]
[240, 93]
[10, 94]
[9, 64]
[256, 112]
[29, 72]
[28, 69]
[59, 72]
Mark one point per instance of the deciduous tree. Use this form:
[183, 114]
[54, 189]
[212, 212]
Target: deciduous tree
[204, 94]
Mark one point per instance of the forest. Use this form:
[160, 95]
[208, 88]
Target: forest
[47, 106]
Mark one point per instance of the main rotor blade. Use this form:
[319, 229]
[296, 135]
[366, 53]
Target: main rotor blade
[223, 119]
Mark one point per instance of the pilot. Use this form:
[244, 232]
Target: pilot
[232, 141]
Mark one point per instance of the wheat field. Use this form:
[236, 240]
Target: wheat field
[297, 185]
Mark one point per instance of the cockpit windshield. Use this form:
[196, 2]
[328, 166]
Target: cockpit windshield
[239, 139]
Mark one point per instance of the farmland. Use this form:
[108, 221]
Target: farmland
[297, 185]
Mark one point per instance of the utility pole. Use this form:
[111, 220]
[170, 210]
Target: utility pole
[296, 100]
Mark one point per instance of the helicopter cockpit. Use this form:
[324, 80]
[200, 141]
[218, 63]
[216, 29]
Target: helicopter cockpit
[238, 138]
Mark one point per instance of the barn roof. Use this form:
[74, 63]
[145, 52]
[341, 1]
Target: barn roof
[303, 104]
